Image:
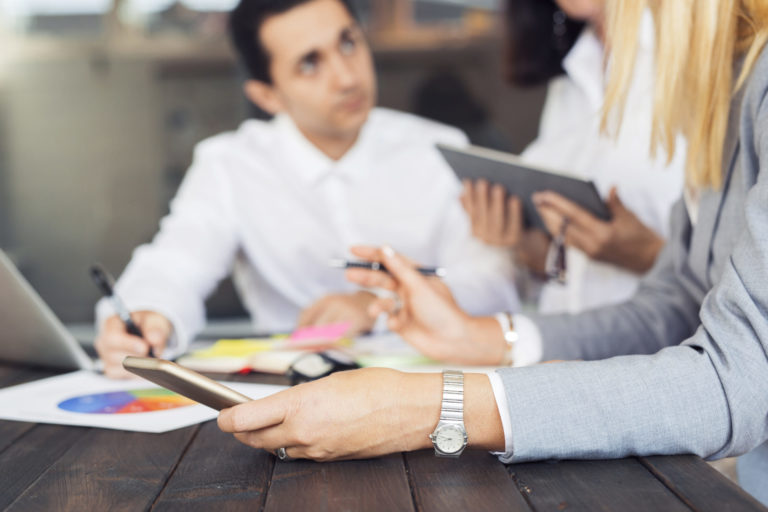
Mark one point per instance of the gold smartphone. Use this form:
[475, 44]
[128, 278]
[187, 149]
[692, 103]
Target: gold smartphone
[184, 382]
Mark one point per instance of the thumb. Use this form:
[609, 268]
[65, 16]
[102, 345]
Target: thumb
[615, 205]
[156, 329]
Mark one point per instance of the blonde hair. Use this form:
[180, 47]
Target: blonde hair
[698, 43]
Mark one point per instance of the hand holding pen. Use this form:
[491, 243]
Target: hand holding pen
[105, 283]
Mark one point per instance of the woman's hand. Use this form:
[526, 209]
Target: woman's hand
[360, 414]
[497, 219]
[426, 314]
[623, 241]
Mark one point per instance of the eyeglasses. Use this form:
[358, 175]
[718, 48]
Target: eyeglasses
[555, 266]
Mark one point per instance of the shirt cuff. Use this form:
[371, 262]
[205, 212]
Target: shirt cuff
[501, 403]
[528, 349]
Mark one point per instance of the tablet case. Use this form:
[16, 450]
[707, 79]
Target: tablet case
[522, 180]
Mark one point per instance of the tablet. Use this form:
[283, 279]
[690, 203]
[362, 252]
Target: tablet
[522, 180]
[185, 382]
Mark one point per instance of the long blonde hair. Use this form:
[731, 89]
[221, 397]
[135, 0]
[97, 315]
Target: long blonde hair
[698, 43]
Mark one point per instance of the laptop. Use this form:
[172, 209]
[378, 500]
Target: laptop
[31, 333]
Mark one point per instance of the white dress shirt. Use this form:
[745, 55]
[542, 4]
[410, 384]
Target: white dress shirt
[570, 140]
[266, 203]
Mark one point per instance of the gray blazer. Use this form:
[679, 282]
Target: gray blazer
[709, 290]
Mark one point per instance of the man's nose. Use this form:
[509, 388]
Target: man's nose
[344, 73]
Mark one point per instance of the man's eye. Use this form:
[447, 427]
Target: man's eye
[348, 45]
[308, 66]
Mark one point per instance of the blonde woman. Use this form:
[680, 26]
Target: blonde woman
[707, 396]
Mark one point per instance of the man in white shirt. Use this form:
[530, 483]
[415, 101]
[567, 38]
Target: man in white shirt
[275, 201]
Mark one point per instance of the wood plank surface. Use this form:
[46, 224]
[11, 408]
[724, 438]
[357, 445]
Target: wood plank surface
[24, 462]
[218, 473]
[476, 481]
[50, 467]
[608, 485]
[699, 485]
[370, 485]
[105, 470]
[11, 431]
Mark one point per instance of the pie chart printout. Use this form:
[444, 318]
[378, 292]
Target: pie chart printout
[126, 402]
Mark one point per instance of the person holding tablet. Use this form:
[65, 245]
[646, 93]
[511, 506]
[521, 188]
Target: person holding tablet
[705, 300]
[561, 42]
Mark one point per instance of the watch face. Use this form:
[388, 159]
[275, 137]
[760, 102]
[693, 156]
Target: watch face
[449, 439]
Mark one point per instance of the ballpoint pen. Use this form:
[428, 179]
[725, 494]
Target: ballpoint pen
[105, 282]
[375, 265]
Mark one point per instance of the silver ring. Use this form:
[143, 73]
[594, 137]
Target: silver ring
[281, 454]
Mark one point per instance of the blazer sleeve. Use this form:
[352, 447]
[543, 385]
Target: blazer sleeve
[707, 396]
[663, 311]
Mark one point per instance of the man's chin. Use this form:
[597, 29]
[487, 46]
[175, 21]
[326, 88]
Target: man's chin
[353, 122]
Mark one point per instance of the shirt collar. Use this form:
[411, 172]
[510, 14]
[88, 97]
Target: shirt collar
[311, 165]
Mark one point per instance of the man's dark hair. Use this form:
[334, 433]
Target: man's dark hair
[245, 23]
[538, 38]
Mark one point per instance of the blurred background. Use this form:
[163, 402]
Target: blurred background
[102, 102]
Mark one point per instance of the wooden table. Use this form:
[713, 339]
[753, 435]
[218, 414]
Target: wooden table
[49, 467]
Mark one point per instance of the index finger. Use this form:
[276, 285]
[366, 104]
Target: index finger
[255, 415]
[389, 280]
[575, 214]
[371, 279]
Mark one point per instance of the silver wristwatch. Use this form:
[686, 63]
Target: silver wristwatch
[450, 437]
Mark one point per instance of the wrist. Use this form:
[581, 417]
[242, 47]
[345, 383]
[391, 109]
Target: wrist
[419, 412]
[487, 335]
[482, 418]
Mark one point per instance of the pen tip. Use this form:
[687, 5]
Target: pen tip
[441, 272]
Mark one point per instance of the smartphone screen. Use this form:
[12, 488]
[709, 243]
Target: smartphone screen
[185, 382]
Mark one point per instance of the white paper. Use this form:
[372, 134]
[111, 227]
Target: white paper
[38, 402]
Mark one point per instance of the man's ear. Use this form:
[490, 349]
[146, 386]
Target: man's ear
[263, 95]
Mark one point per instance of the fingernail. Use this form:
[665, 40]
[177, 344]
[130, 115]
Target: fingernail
[388, 251]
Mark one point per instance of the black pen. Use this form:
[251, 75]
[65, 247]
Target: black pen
[105, 282]
[375, 265]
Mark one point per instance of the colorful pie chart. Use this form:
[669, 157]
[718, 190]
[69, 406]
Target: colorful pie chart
[126, 402]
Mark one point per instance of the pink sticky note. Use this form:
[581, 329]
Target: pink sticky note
[332, 332]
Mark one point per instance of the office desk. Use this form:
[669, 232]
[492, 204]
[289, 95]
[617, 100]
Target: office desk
[49, 467]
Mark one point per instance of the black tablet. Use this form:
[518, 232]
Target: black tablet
[522, 180]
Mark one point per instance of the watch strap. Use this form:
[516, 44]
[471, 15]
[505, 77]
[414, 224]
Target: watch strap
[452, 406]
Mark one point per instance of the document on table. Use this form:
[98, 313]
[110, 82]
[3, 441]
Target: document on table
[88, 399]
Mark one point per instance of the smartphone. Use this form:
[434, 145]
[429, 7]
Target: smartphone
[184, 382]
